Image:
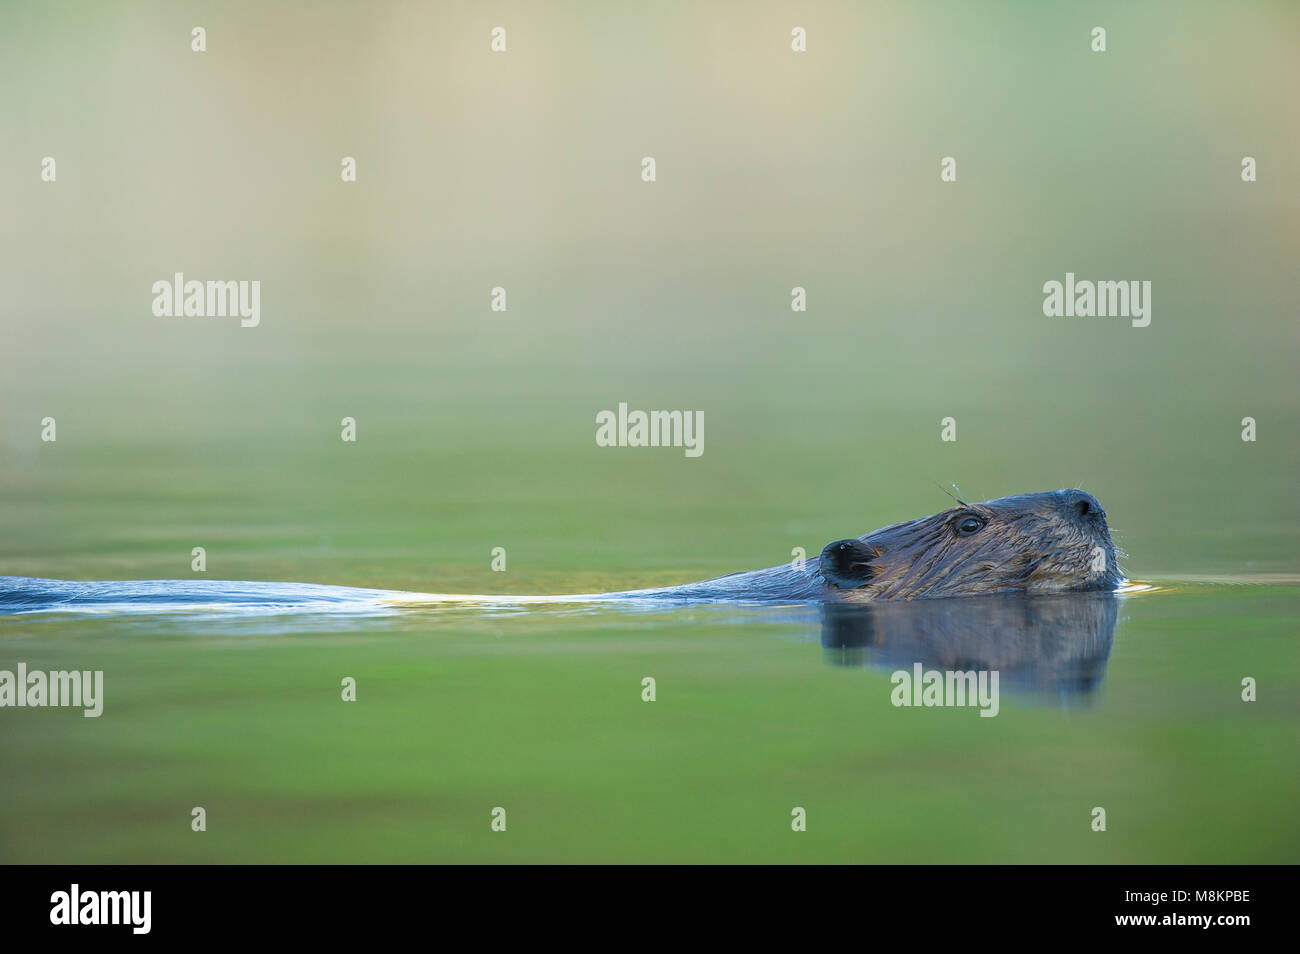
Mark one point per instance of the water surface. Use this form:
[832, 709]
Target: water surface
[1132, 703]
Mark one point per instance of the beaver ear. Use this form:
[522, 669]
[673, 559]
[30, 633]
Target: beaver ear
[847, 563]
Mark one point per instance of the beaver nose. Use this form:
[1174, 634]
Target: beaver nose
[1081, 507]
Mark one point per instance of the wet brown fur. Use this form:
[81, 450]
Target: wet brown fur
[1032, 543]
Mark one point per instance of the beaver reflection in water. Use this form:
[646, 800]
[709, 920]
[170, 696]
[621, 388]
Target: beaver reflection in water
[1056, 645]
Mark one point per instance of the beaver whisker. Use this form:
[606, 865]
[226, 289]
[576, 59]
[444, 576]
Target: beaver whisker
[955, 497]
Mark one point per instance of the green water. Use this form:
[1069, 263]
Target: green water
[475, 428]
[540, 712]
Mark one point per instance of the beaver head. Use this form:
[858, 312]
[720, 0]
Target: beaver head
[1030, 543]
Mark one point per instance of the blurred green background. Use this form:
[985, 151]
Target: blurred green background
[476, 428]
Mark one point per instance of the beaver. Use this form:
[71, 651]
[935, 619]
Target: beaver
[1027, 543]
[1048, 542]
[1030, 543]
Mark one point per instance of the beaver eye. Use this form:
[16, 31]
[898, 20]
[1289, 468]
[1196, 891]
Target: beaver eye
[970, 525]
